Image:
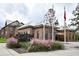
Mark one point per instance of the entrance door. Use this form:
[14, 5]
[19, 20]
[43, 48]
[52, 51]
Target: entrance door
[59, 37]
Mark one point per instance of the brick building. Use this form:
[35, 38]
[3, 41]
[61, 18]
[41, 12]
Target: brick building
[37, 32]
[10, 28]
[70, 35]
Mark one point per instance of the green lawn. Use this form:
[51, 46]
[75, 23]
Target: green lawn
[2, 40]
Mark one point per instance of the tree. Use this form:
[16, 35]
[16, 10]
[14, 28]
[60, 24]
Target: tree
[50, 17]
[75, 19]
[51, 20]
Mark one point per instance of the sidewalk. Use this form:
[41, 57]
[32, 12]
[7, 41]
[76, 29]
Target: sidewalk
[54, 53]
[4, 51]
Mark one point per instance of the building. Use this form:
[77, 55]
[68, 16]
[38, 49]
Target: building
[10, 28]
[70, 35]
[37, 32]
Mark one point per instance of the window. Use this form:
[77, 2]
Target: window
[46, 35]
[37, 34]
[6, 32]
[2, 33]
[28, 32]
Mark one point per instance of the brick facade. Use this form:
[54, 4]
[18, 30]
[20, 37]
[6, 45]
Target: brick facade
[37, 32]
[10, 29]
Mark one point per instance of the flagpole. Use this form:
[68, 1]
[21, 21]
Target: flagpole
[64, 32]
[64, 25]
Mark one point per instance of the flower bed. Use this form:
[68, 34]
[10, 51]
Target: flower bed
[38, 47]
[54, 46]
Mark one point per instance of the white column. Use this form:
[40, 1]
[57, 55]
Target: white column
[43, 31]
[53, 36]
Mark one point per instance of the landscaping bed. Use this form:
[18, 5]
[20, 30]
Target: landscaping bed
[23, 47]
[37, 48]
[20, 50]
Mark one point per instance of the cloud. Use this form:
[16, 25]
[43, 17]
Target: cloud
[34, 12]
[59, 8]
[38, 11]
[13, 12]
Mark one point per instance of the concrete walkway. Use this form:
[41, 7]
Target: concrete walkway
[54, 53]
[70, 51]
[4, 51]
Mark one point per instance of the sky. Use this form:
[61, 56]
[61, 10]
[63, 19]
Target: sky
[33, 13]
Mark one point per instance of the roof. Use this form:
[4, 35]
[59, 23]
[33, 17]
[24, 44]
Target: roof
[25, 26]
[34, 27]
[14, 22]
[14, 25]
[40, 26]
[61, 30]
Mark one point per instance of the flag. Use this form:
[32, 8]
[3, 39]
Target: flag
[64, 14]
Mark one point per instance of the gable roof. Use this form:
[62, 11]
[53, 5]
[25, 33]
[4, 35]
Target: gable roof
[12, 23]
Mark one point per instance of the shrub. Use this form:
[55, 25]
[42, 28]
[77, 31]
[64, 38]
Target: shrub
[57, 46]
[24, 37]
[46, 43]
[77, 36]
[24, 44]
[35, 48]
[12, 43]
[39, 47]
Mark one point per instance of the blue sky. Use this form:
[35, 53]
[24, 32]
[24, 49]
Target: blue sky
[33, 13]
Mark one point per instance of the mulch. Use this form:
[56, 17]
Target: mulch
[20, 50]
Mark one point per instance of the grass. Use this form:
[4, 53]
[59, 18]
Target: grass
[2, 40]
